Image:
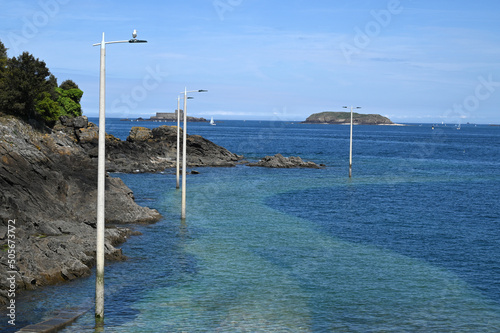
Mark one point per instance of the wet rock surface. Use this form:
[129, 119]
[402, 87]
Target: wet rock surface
[280, 161]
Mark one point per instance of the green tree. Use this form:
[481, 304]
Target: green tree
[68, 84]
[3, 51]
[28, 90]
[48, 109]
[3, 69]
[69, 101]
[26, 80]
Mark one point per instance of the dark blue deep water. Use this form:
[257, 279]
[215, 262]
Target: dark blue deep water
[411, 243]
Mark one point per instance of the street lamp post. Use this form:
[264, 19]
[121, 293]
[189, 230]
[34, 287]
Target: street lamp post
[178, 141]
[350, 142]
[101, 176]
[184, 155]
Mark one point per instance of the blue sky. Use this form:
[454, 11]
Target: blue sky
[410, 60]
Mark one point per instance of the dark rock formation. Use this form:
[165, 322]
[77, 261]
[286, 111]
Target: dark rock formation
[48, 186]
[202, 152]
[76, 122]
[138, 134]
[147, 150]
[345, 118]
[279, 161]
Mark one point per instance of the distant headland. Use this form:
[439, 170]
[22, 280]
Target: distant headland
[345, 118]
[167, 117]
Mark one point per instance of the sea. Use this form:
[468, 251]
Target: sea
[409, 243]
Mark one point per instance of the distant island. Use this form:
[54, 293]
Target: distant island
[345, 118]
[167, 117]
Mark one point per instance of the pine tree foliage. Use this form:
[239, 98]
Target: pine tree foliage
[28, 90]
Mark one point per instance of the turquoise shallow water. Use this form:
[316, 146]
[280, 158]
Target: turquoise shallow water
[410, 244]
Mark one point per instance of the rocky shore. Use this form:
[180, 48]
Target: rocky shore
[48, 183]
[147, 150]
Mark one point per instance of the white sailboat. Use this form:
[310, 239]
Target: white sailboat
[212, 122]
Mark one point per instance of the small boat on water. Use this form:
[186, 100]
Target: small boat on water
[212, 122]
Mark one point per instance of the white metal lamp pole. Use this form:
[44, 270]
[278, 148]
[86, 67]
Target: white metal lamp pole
[178, 141]
[101, 176]
[184, 155]
[350, 143]
[184, 131]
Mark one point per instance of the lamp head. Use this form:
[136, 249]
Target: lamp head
[135, 40]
